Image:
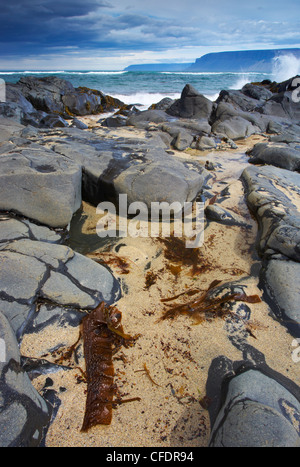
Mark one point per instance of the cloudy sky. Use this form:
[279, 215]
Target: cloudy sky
[112, 34]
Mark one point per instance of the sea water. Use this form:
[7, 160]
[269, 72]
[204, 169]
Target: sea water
[146, 88]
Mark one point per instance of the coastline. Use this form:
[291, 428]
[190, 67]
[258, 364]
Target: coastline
[180, 356]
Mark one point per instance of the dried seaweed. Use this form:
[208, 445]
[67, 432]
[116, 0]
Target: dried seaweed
[150, 279]
[112, 259]
[176, 252]
[102, 334]
[205, 402]
[145, 370]
[206, 306]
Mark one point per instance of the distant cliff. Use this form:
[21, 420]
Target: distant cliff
[240, 61]
[159, 67]
[243, 61]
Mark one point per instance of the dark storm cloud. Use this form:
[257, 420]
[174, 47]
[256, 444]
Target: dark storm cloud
[33, 24]
[38, 27]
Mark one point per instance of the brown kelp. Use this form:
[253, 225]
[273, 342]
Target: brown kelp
[205, 306]
[102, 335]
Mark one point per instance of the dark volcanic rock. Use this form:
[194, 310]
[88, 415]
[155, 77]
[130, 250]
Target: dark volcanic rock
[283, 103]
[53, 95]
[45, 93]
[257, 91]
[239, 99]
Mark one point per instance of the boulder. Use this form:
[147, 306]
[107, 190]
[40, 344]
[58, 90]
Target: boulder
[14, 94]
[163, 104]
[54, 95]
[238, 99]
[142, 119]
[257, 91]
[234, 128]
[185, 133]
[258, 411]
[226, 111]
[160, 178]
[53, 121]
[12, 111]
[204, 143]
[283, 132]
[280, 281]
[182, 140]
[114, 121]
[282, 105]
[81, 102]
[191, 104]
[79, 124]
[45, 93]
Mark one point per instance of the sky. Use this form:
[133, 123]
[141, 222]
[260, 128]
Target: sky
[112, 34]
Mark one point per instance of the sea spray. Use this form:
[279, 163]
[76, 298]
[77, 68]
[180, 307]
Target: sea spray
[285, 67]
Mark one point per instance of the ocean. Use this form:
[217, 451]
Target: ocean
[146, 88]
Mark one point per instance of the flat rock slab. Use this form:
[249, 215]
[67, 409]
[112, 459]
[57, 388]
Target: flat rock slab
[34, 270]
[8, 128]
[40, 185]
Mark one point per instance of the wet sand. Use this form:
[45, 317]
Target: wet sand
[177, 353]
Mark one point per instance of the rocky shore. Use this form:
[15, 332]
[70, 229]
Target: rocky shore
[230, 380]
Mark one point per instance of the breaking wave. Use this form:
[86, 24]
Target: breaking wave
[285, 67]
